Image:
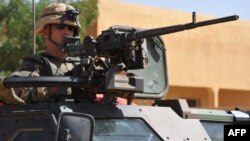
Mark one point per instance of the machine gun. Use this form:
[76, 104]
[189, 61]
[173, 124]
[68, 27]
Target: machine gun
[116, 62]
[123, 44]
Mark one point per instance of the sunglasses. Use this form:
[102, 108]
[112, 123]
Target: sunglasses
[62, 26]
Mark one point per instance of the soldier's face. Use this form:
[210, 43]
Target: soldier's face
[58, 32]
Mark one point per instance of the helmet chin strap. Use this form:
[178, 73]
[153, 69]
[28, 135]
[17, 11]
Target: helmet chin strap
[58, 45]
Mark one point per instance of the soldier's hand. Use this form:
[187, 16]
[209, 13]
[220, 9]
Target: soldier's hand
[8, 95]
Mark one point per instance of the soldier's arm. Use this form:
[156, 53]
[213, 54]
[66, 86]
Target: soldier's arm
[24, 95]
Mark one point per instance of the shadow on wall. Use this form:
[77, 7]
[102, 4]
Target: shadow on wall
[204, 97]
[230, 99]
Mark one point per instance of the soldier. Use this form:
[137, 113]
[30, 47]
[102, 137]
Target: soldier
[56, 21]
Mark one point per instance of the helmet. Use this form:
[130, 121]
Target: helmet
[58, 13]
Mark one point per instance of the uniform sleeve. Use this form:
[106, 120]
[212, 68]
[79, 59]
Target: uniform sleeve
[22, 95]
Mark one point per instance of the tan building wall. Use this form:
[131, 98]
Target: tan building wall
[210, 64]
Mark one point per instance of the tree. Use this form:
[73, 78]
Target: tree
[16, 28]
[16, 37]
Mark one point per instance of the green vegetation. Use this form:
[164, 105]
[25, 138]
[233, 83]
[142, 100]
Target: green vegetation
[16, 28]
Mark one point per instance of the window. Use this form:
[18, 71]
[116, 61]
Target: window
[124, 129]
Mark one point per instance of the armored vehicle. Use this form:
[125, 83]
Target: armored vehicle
[122, 62]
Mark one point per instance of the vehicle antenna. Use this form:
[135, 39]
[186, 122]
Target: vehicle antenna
[33, 24]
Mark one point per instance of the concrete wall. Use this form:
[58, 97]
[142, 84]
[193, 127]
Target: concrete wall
[215, 57]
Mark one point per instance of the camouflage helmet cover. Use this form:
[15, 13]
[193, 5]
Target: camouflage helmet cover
[54, 13]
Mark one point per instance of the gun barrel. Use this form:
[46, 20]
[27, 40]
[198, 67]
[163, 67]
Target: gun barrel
[154, 32]
[217, 21]
[176, 28]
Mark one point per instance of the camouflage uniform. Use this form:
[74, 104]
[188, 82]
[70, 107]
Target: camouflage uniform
[43, 64]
